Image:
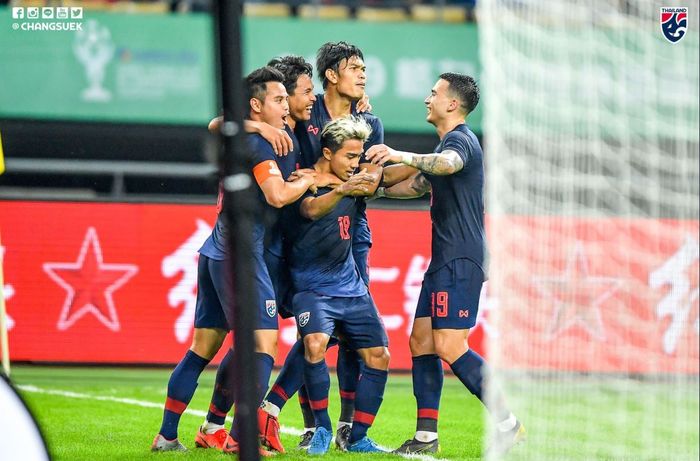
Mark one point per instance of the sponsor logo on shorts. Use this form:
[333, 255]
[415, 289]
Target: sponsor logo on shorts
[303, 318]
[271, 307]
[463, 313]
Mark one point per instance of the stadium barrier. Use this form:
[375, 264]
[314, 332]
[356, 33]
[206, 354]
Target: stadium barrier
[115, 283]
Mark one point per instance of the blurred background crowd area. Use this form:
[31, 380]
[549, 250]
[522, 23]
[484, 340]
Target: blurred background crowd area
[118, 110]
[363, 10]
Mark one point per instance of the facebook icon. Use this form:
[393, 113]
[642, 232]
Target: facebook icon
[18, 13]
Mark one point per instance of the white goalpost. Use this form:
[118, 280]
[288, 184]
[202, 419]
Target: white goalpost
[4, 343]
[591, 132]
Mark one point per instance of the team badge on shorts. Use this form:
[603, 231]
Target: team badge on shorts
[303, 318]
[271, 307]
[674, 22]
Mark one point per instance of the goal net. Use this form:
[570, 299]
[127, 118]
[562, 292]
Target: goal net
[591, 146]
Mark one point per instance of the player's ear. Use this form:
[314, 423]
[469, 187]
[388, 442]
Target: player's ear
[331, 76]
[256, 105]
[453, 106]
[327, 153]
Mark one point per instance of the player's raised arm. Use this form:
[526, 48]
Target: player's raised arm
[413, 187]
[276, 190]
[317, 207]
[443, 163]
[278, 138]
[375, 173]
[394, 174]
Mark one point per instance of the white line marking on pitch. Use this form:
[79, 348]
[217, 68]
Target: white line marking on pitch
[141, 403]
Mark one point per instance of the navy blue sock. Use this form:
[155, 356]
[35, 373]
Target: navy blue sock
[370, 393]
[427, 388]
[181, 387]
[471, 369]
[291, 376]
[265, 363]
[306, 412]
[223, 395]
[317, 384]
[348, 371]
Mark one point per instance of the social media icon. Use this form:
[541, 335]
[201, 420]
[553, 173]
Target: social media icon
[76, 12]
[18, 12]
[62, 12]
[47, 12]
[33, 12]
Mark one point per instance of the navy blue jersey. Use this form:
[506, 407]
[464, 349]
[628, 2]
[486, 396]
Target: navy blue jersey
[320, 255]
[309, 135]
[287, 165]
[457, 204]
[214, 247]
[261, 150]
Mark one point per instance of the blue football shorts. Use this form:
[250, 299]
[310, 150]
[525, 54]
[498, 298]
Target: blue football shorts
[278, 269]
[356, 319]
[215, 295]
[450, 295]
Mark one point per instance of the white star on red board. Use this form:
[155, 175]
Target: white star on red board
[577, 296]
[89, 284]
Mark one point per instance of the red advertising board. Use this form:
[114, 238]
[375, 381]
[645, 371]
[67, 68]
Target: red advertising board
[116, 283]
[596, 294]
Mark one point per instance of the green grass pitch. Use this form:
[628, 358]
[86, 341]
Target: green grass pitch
[114, 413]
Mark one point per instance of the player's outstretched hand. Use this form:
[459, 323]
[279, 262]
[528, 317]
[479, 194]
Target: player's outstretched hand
[327, 180]
[307, 175]
[279, 139]
[380, 154]
[301, 172]
[358, 185]
[363, 104]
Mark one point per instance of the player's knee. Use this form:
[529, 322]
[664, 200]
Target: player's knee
[421, 345]
[266, 342]
[267, 347]
[378, 358]
[206, 342]
[450, 350]
[315, 347]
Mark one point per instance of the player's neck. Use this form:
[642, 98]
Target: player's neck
[291, 122]
[322, 165]
[447, 125]
[338, 106]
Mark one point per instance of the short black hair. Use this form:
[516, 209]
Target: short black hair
[256, 82]
[292, 67]
[331, 54]
[464, 88]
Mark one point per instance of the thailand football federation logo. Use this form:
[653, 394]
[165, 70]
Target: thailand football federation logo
[304, 318]
[271, 307]
[674, 22]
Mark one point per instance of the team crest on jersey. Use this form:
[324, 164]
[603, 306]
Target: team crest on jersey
[313, 130]
[304, 318]
[674, 22]
[271, 307]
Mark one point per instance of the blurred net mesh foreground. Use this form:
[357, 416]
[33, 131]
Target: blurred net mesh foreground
[592, 165]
